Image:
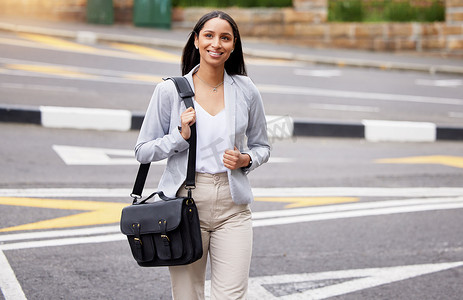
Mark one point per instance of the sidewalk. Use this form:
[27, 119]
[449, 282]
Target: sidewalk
[175, 38]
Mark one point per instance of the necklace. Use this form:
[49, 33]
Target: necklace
[214, 88]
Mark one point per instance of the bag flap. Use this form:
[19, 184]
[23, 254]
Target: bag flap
[148, 216]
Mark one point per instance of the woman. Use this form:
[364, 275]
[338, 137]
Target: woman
[231, 141]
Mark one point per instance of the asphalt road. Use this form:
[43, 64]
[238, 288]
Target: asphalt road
[47, 71]
[333, 218]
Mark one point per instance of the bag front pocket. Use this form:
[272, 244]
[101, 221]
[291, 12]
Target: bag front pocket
[143, 249]
[169, 245]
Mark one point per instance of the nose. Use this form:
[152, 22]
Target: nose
[216, 42]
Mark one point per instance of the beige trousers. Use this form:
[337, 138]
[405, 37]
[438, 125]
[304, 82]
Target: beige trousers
[226, 230]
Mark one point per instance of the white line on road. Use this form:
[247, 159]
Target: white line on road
[297, 90]
[12, 290]
[96, 239]
[334, 283]
[257, 192]
[440, 83]
[443, 204]
[60, 233]
[318, 73]
[9, 285]
[39, 87]
[337, 107]
[260, 219]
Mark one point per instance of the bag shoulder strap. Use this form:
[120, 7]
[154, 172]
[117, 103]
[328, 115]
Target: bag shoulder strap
[185, 92]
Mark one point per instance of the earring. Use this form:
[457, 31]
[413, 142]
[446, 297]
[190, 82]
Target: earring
[196, 47]
[232, 50]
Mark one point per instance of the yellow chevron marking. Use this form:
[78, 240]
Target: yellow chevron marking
[48, 70]
[57, 43]
[306, 201]
[160, 55]
[96, 213]
[451, 161]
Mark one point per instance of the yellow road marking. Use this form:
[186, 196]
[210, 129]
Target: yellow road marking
[48, 70]
[96, 213]
[306, 201]
[141, 77]
[57, 43]
[160, 55]
[99, 213]
[452, 161]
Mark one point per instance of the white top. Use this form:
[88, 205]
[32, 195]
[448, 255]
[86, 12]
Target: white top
[160, 138]
[211, 140]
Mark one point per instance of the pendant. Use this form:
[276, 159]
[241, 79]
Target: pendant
[214, 90]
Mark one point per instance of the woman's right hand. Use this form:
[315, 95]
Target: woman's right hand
[188, 118]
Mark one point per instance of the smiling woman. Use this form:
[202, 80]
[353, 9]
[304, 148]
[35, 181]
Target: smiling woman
[231, 141]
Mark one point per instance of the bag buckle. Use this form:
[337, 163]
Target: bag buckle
[165, 237]
[135, 198]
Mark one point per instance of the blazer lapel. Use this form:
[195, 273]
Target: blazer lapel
[230, 108]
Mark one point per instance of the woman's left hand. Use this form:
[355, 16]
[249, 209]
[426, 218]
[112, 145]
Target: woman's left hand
[234, 159]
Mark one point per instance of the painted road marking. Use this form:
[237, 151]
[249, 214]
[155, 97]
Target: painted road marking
[97, 213]
[30, 68]
[127, 55]
[95, 51]
[9, 285]
[90, 156]
[318, 73]
[57, 43]
[345, 211]
[96, 156]
[440, 83]
[307, 91]
[139, 79]
[59, 233]
[40, 87]
[149, 52]
[338, 107]
[257, 192]
[260, 219]
[451, 161]
[324, 285]
[49, 69]
[306, 201]
[106, 213]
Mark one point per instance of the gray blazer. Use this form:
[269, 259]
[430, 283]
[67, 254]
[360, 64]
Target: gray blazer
[247, 130]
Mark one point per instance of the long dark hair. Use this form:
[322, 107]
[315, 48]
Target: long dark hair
[190, 58]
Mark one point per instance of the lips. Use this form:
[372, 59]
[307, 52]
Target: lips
[215, 54]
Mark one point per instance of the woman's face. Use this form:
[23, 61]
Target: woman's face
[215, 42]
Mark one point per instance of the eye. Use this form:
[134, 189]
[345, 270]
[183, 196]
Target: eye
[226, 38]
[208, 35]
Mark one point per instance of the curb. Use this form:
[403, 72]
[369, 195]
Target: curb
[93, 37]
[279, 127]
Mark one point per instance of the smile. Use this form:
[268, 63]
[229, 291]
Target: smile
[215, 54]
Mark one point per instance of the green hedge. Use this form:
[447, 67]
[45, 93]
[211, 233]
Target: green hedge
[230, 3]
[386, 11]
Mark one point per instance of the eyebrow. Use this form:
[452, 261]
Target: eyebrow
[212, 31]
